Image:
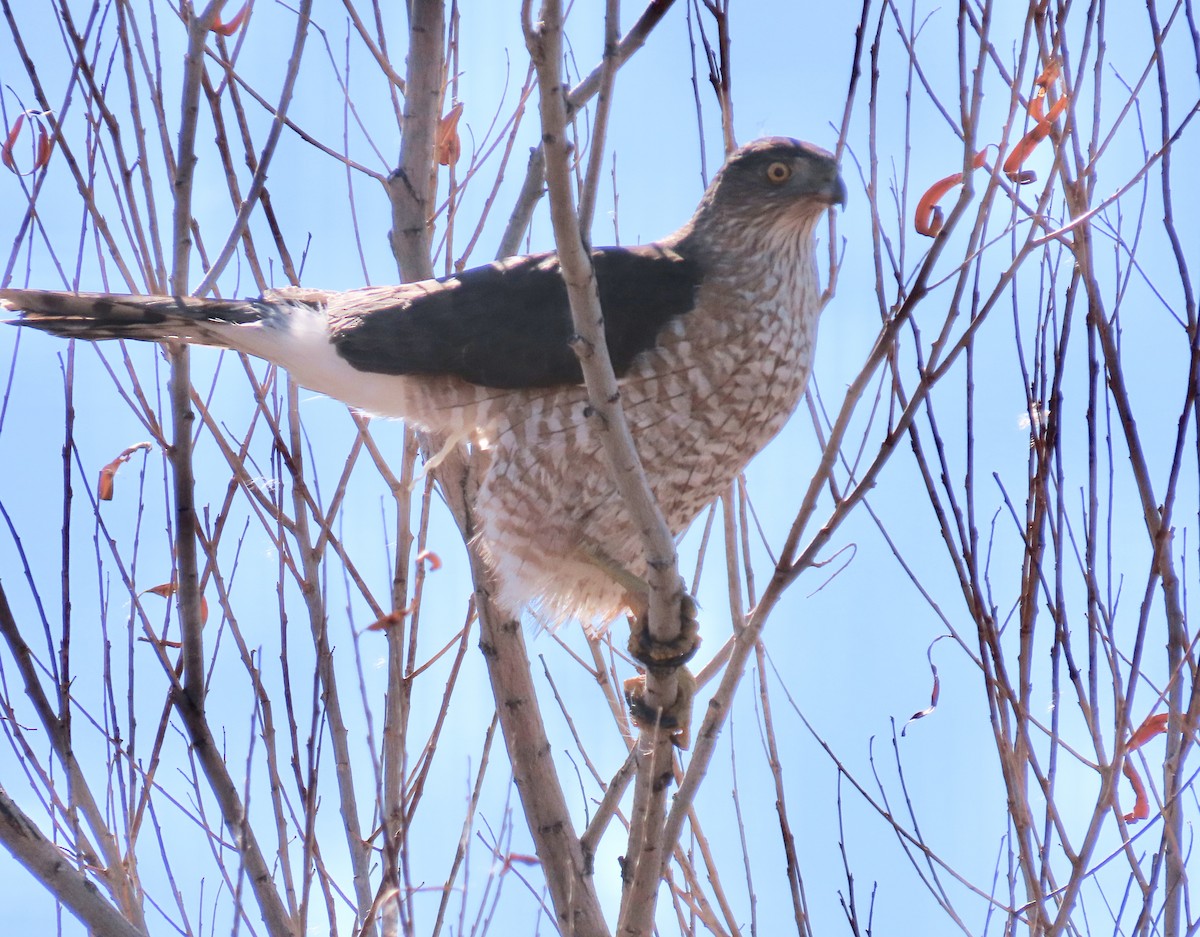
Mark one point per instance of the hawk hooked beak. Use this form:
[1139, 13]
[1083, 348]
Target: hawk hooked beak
[836, 192]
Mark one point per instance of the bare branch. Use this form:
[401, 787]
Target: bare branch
[48, 863]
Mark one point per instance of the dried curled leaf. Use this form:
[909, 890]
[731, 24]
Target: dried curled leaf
[108, 474]
[45, 144]
[167, 589]
[1154, 725]
[1028, 143]
[929, 219]
[1042, 84]
[45, 148]
[447, 145]
[234, 24]
[389, 621]
[6, 153]
[396, 618]
[515, 858]
[937, 687]
[1141, 803]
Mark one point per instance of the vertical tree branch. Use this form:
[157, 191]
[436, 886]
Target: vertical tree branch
[604, 101]
[259, 182]
[644, 857]
[187, 580]
[190, 702]
[411, 189]
[501, 638]
[578, 96]
[212, 760]
[411, 186]
[603, 394]
[568, 872]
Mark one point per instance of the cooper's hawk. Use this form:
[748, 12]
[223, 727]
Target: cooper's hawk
[710, 330]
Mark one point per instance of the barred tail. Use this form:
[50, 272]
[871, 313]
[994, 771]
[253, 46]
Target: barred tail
[146, 318]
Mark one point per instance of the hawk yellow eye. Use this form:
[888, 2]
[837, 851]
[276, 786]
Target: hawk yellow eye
[779, 172]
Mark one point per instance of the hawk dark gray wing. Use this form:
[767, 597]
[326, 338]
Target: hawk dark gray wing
[508, 324]
[711, 331]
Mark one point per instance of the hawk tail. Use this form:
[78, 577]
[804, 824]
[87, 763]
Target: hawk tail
[95, 316]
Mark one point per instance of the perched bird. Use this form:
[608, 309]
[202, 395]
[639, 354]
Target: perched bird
[710, 330]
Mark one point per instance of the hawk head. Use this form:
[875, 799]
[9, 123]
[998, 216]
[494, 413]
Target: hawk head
[775, 181]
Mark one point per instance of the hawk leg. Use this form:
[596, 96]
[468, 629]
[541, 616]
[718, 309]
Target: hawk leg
[677, 651]
[676, 718]
[661, 657]
[643, 646]
[656, 655]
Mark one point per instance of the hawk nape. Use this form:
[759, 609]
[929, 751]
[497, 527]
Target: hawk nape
[710, 330]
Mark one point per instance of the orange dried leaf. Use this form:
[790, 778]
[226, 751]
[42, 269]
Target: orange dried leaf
[45, 143]
[1056, 110]
[228, 29]
[6, 152]
[514, 858]
[104, 487]
[928, 219]
[428, 556]
[1028, 143]
[167, 589]
[1042, 83]
[1154, 725]
[447, 145]
[390, 620]
[1141, 803]
[108, 474]
[1025, 146]
[45, 148]
[1046, 78]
